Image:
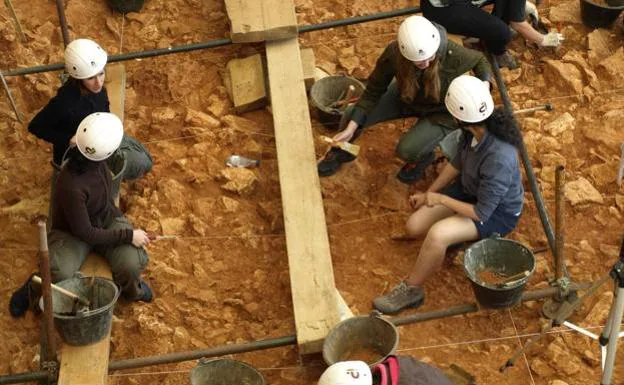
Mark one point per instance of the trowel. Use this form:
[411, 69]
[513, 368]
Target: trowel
[351, 148]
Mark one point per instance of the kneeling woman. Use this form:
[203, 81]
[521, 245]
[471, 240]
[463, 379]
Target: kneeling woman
[479, 193]
[84, 214]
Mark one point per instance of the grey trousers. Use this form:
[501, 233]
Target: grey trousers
[422, 138]
[68, 253]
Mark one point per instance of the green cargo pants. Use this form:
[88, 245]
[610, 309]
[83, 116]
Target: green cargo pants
[68, 253]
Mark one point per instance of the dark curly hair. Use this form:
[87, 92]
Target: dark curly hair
[504, 126]
[76, 162]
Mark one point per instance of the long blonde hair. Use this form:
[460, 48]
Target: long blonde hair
[409, 83]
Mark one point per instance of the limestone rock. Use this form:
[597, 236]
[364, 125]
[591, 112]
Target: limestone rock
[603, 174]
[201, 119]
[614, 212]
[598, 45]
[197, 225]
[551, 159]
[229, 205]
[531, 124]
[350, 63]
[172, 226]
[565, 76]
[610, 132]
[548, 143]
[599, 313]
[240, 124]
[619, 201]
[557, 382]
[586, 247]
[162, 115]
[590, 358]
[563, 123]
[609, 251]
[531, 139]
[218, 105]
[614, 66]
[239, 180]
[562, 359]
[582, 191]
[541, 368]
[567, 12]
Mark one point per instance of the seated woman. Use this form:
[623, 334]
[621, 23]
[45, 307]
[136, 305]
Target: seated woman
[465, 17]
[85, 217]
[484, 193]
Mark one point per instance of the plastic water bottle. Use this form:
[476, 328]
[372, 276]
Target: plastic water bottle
[241, 161]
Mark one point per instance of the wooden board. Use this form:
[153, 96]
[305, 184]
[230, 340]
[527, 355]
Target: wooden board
[116, 87]
[315, 301]
[247, 84]
[261, 20]
[87, 365]
[309, 67]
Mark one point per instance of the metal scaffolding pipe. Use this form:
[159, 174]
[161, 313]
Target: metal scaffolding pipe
[218, 42]
[60, 9]
[526, 161]
[24, 377]
[559, 222]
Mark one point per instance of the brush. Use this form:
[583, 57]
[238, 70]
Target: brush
[351, 148]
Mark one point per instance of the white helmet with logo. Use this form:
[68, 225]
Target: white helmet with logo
[469, 99]
[84, 58]
[347, 373]
[99, 135]
[418, 38]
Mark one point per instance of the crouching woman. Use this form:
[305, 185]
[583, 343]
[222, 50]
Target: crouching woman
[479, 193]
[84, 214]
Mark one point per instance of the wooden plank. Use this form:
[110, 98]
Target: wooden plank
[116, 87]
[248, 89]
[311, 274]
[309, 67]
[88, 365]
[261, 20]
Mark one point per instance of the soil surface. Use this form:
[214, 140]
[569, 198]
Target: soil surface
[225, 279]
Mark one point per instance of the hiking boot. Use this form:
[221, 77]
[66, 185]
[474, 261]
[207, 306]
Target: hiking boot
[24, 298]
[506, 60]
[401, 297]
[333, 160]
[414, 171]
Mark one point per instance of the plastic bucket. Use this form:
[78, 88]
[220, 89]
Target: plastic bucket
[81, 326]
[497, 257]
[225, 372]
[599, 16]
[365, 338]
[329, 90]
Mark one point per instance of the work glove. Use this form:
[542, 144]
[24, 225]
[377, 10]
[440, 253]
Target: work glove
[531, 13]
[552, 39]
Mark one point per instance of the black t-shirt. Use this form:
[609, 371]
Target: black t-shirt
[510, 10]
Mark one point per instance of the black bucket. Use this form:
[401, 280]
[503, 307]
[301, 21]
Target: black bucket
[84, 326]
[329, 90]
[225, 372]
[599, 16]
[365, 338]
[502, 258]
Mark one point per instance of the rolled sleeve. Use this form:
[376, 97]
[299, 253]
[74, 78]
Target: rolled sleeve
[494, 183]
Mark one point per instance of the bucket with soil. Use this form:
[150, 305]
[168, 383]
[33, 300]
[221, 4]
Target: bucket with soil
[80, 325]
[498, 270]
[365, 338]
[600, 13]
[225, 372]
[331, 96]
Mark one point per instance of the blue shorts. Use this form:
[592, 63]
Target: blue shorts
[499, 222]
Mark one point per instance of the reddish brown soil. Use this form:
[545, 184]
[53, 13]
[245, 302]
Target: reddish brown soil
[225, 280]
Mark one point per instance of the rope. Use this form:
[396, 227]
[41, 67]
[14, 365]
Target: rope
[123, 19]
[526, 361]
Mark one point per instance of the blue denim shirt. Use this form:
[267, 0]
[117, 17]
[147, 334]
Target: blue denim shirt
[490, 172]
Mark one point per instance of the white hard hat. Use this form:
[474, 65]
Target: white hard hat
[99, 135]
[469, 99]
[84, 58]
[418, 38]
[347, 373]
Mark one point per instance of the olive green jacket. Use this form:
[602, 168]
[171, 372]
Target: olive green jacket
[455, 60]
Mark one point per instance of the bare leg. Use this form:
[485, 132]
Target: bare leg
[441, 235]
[421, 221]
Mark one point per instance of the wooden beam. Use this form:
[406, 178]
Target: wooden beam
[248, 89]
[261, 20]
[82, 365]
[315, 300]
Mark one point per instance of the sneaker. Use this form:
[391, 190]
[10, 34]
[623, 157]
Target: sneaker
[401, 297]
[23, 298]
[333, 160]
[506, 60]
[414, 171]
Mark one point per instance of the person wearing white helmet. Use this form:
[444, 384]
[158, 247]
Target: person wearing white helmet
[477, 194]
[83, 94]
[347, 373]
[410, 79]
[85, 217]
[465, 17]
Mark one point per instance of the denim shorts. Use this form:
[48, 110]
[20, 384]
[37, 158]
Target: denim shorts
[499, 222]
